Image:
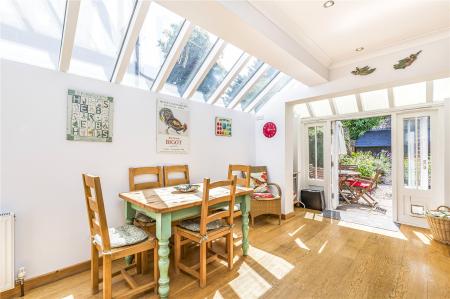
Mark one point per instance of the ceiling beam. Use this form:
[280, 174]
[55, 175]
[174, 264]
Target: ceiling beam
[263, 92]
[172, 57]
[238, 98]
[311, 114]
[68, 35]
[205, 68]
[237, 67]
[129, 41]
[391, 97]
[332, 104]
[359, 102]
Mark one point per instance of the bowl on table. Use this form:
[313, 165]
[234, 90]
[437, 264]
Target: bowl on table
[185, 188]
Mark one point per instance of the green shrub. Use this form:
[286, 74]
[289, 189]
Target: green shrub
[368, 163]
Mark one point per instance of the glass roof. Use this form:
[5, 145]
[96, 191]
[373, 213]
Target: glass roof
[375, 100]
[227, 59]
[410, 94]
[282, 81]
[241, 79]
[346, 104]
[101, 35]
[259, 85]
[101, 29]
[301, 110]
[191, 59]
[157, 36]
[441, 89]
[30, 39]
[321, 108]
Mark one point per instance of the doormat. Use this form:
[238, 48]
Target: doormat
[376, 220]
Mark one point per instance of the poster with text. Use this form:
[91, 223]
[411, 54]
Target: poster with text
[172, 126]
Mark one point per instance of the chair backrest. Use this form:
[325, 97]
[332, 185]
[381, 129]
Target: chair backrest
[243, 181]
[142, 171]
[348, 167]
[255, 169]
[96, 210]
[205, 216]
[171, 181]
[375, 178]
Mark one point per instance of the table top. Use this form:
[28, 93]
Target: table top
[168, 199]
[347, 172]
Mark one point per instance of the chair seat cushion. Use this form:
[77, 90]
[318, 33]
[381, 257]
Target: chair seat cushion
[194, 224]
[143, 219]
[237, 207]
[356, 183]
[263, 196]
[124, 235]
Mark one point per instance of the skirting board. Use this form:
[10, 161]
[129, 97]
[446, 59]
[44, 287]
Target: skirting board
[287, 216]
[41, 280]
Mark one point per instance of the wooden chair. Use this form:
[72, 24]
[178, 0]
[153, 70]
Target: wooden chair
[183, 169]
[361, 187]
[141, 171]
[209, 227]
[243, 180]
[141, 220]
[113, 249]
[263, 205]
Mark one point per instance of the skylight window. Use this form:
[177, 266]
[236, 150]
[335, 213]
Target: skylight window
[281, 81]
[346, 104]
[410, 94]
[441, 89]
[191, 59]
[241, 79]
[31, 31]
[218, 72]
[375, 100]
[321, 108]
[157, 36]
[301, 110]
[101, 29]
[258, 87]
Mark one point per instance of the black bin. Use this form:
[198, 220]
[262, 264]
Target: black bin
[313, 199]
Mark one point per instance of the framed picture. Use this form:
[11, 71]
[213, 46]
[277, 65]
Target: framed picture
[223, 126]
[89, 117]
[172, 126]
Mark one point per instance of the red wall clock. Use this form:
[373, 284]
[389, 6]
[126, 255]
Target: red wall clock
[269, 129]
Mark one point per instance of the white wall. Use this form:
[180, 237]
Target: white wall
[41, 170]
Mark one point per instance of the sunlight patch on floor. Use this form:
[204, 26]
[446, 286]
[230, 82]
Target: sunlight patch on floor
[218, 295]
[379, 231]
[422, 237]
[249, 284]
[68, 297]
[301, 244]
[322, 247]
[276, 265]
[313, 216]
[296, 231]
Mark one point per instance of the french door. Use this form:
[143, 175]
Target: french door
[419, 166]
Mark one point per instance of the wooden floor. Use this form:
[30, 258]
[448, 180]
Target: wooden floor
[310, 257]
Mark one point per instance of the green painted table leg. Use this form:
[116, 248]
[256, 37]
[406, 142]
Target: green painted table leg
[245, 208]
[163, 233]
[129, 215]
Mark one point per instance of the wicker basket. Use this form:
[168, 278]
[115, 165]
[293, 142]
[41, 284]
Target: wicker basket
[440, 226]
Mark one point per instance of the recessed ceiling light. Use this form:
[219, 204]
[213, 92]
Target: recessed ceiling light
[329, 3]
[359, 49]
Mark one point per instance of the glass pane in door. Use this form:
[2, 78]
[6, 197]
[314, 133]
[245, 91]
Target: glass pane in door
[319, 136]
[417, 153]
[312, 152]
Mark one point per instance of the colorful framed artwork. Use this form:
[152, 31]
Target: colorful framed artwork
[223, 126]
[173, 127]
[89, 117]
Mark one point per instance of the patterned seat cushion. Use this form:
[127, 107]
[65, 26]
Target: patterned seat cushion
[263, 196]
[258, 181]
[143, 218]
[124, 235]
[194, 224]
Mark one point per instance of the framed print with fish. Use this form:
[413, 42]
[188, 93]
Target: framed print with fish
[172, 126]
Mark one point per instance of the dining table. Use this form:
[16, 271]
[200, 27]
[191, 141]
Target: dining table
[166, 205]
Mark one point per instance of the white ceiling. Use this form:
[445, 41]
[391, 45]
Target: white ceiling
[332, 34]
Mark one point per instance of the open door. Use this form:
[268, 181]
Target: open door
[419, 166]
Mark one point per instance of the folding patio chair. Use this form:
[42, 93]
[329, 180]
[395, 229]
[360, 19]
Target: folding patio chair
[362, 187]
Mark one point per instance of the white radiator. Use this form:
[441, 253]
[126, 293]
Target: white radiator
[6, 251]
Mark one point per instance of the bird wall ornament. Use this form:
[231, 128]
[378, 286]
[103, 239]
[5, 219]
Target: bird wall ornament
[364, 71]
[167, 117]
[405, 62]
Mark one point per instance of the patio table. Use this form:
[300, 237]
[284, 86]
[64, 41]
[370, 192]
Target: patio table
[165, 205]
[344, 175]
